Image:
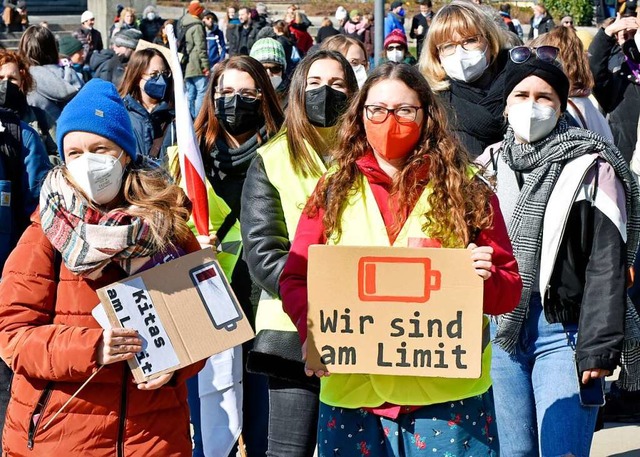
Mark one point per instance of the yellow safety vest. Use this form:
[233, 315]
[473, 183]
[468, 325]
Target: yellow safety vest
[362, 225]
[231, 246]
[294, 192]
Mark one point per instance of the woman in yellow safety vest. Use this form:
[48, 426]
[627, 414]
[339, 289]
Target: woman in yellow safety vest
[278, 184]
[401, 179]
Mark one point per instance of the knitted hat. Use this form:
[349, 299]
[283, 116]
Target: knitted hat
[395, 37]
[195, 8]
[69, 45]
[395, 4]
[86, 16]
[127, 38]
[268, 50]
[97, 108]
[354, 13]
[551, 73]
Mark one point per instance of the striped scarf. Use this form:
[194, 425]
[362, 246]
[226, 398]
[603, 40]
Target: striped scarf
[87, 238]
[544, 160]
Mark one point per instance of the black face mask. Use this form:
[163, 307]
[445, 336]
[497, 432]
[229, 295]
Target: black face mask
[11, 97]
[237, 115]
[324, 105]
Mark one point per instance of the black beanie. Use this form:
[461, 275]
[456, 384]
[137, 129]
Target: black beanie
[551, 73]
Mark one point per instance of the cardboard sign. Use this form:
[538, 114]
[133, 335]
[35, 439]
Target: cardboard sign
[394, 311]
[184, 311]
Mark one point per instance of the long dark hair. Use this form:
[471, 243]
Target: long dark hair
[137, 66]
[207, 126]
[297, 127]
[38, 46]
[459, 204]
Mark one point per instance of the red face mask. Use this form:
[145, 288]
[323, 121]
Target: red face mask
[391, 139]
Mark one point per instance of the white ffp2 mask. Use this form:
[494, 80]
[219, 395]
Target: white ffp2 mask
[465, 66]
[361, 75]
[532, 121]
[98, 175]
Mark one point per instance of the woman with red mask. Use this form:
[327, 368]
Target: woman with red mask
[399, 171]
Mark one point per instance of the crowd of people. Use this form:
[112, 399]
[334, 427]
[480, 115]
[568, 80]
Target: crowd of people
[521, 148]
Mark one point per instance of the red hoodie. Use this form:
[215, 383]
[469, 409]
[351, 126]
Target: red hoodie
[501, 291]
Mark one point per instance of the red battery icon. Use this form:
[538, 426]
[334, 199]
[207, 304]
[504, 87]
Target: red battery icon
[374, 282]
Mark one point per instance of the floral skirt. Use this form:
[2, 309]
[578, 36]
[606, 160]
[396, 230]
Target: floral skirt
[464, 428]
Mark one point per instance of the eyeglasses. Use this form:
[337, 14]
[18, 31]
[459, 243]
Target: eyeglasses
[155, 74]
[274, 69]
[395, 47]
[247, 95]
[404, 114]
[520, 54]
[473, 43]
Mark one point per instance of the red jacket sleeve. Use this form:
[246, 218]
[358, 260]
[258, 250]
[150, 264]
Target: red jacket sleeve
[293, 282]
[503, 289]
[29, 341]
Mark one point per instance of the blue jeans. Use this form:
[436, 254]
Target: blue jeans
[538, 409]
[196, 87]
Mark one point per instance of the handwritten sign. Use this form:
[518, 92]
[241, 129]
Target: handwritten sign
[134, 309]
[394, 311]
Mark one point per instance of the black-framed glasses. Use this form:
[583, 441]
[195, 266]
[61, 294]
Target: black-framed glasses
[473, 43]
[155, 74]
[520, 54]
[404, 114]
[248, 95]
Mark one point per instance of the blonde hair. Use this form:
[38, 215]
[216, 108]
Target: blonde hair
[466, 19]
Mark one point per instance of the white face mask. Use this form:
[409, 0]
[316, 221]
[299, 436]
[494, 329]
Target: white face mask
[465, 66]
[151, 16]
[275, 81]
[395, 55]
[361, 74]
[98, 175]
[532, 121]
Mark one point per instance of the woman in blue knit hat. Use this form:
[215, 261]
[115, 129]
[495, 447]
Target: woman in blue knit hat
[101, 219]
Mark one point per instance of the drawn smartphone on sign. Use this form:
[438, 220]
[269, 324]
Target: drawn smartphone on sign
[215, 293]
[373, 283]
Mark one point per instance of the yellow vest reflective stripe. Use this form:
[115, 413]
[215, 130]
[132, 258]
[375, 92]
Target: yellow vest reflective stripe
[294, 192]
[362, 225]
[231, 246]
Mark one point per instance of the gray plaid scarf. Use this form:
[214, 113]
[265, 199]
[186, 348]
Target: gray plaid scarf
[544, 160]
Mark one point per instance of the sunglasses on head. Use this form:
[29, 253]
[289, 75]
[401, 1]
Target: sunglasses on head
[520, 54]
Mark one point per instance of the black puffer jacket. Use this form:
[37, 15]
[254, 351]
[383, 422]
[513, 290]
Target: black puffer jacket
[617, 90]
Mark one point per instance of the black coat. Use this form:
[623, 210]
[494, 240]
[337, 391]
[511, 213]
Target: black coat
[617, 91]
[240, 39]
[420, 20]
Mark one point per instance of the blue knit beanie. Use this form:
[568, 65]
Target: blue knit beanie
[97, 108]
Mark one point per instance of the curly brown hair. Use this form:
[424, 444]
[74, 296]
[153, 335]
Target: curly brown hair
[23, 68]
[460, 203]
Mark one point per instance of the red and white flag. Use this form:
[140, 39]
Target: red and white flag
[191, 165]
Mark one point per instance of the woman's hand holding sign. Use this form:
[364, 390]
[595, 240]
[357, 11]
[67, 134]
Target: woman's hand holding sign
[482, 259]
[117, 345]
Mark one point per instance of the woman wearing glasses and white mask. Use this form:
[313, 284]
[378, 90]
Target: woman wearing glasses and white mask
[354, 51]
[401, 179]
[463, 59]
[278, 183]
[270, 53]
[147, 92]
[240, 112]
[572, 210]
[396, 49]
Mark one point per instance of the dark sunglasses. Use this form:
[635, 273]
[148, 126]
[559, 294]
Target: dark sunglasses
[520, 54]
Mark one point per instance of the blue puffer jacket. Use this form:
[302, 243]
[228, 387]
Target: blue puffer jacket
[35, 165]
[147, 126]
